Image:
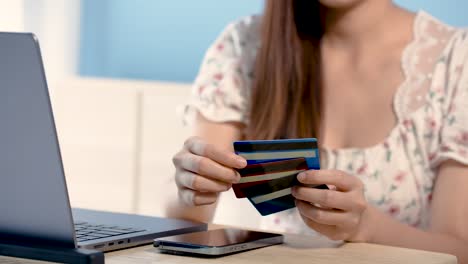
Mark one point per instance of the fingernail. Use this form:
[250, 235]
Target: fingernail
[301, 176]
[238, 177]
[241, 162]
[293, 191]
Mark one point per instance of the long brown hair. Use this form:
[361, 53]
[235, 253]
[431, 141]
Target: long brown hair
[286, 95]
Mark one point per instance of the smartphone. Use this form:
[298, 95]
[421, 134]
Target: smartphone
[216, 242]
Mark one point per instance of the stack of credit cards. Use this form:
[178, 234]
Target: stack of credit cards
[272, 171]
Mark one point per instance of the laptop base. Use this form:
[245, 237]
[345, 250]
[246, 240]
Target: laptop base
[52, 254]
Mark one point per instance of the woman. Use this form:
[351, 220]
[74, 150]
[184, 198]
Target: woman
[384, 90]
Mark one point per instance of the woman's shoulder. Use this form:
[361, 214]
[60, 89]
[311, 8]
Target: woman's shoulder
[243, 33]
[438, 50]
[435, 44]
[247, 22]
[245, 25]
[449, 45]
[432, 31]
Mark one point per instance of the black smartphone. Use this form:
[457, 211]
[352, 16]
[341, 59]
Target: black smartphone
[216, 242]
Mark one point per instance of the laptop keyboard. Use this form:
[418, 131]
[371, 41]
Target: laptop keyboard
[86, 231]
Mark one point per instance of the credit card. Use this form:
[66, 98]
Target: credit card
[275, 195]
[260, 151]
[271, 186]
[276, 201]
[255, 174]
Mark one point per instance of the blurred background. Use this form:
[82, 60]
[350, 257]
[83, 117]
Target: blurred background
[117, 72]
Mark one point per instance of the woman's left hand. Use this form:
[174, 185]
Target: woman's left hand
[341, 213]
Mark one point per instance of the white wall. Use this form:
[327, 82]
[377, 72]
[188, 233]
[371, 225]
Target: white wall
[11, 15]
[56, 23]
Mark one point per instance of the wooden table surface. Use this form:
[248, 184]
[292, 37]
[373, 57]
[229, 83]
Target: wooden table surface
[296, 249]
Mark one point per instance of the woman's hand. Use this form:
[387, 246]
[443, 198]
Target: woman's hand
[203, 171]
[338, 214]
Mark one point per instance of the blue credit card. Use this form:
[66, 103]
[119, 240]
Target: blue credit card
[276, 201]
[274, 195]
[260, 151]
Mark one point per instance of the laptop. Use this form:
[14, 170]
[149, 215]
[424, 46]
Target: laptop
[34, 203]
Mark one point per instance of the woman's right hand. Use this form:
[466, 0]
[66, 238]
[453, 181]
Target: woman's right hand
[204, 170]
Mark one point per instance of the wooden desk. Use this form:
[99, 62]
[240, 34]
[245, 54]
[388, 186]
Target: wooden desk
[296, 249]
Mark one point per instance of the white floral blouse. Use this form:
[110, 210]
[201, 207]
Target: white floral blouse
[431, 106]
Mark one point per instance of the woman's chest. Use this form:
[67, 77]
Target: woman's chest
[357, 112]
[358, 97]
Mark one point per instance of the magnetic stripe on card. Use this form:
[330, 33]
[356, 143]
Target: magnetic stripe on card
[271, 196]
[278, 155]
[266, 177]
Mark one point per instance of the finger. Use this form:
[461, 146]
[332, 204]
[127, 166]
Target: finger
[337, 178]
[201, 148]
[190, 180]
[325, 198]
[206, 167]
[323, 216]
[191, 197]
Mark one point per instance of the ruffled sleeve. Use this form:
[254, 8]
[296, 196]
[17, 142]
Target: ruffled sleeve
[452, 141]
[220, 91]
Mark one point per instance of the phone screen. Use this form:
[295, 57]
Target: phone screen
[218, 237]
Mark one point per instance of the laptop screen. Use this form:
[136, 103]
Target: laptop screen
[33, 196]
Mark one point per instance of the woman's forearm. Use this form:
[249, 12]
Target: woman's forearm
[388, 231]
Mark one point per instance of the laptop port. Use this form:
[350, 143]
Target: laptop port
[99, 246]
[120, 242]
[111, 244]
